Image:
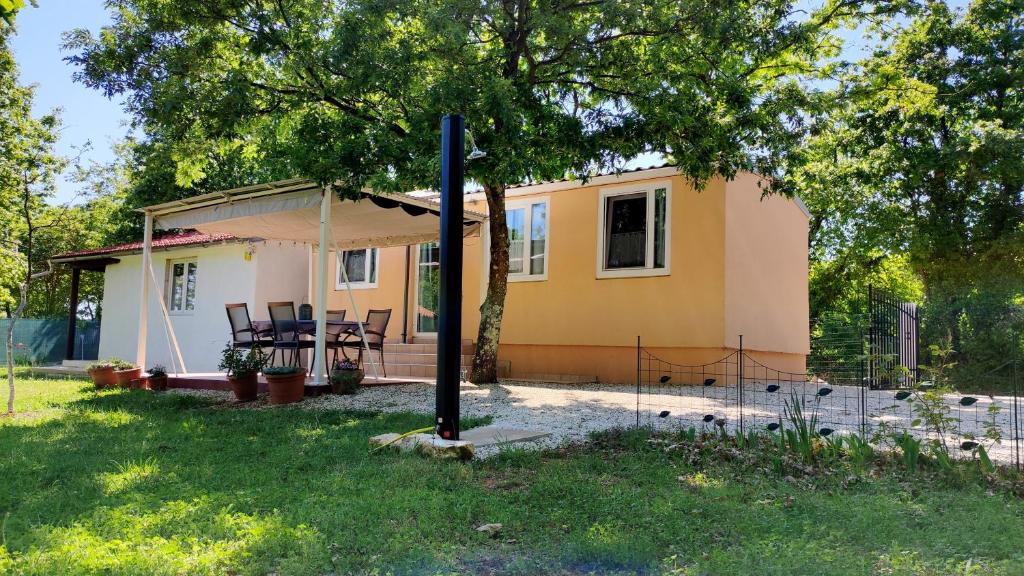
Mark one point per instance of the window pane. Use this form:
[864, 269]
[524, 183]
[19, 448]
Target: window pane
[516, 239]
[538, 237]
[177, 285]
[427, 285]
[373, 264]
[190, 289]
[355, 265]
[626, 231]
[660, 207]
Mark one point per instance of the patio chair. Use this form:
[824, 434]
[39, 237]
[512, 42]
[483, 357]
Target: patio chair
[287, 337]
[243, 334]
[334, 334]
[375, 327]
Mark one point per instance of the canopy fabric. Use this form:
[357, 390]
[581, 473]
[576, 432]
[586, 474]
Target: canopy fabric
[293, 213]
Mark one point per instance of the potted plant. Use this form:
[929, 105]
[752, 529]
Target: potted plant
[102, 374]
[243, 367]
[158, 378]
[346, 377]
[125, 372]
[286, 384]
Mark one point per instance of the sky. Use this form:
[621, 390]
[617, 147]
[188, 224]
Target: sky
[88, 116]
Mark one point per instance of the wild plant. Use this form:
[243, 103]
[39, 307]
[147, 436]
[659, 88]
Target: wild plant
[802, 430]
[859, 451]
[910, 449]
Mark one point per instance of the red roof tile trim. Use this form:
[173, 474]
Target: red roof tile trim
[169, 241]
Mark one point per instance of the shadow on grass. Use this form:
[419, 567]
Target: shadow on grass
[134, 482]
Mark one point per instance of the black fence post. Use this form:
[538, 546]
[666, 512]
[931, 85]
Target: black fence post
[1015, 377]
[638, 390]
[739, 382]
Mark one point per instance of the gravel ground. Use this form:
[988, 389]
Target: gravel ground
[571, 412]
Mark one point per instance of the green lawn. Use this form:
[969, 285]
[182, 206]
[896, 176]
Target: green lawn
[130, 482]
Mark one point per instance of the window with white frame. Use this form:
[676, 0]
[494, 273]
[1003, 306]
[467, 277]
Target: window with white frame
[361, 267]
[181, 285]
[634, 231]
[527, 222]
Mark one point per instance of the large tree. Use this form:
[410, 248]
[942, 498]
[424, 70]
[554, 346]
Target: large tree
[351, 93]
[920, 160]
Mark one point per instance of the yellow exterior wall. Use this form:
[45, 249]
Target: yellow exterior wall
[738, 265]
[387, 294]
[573, 306]
[766, 270]
[390, 289]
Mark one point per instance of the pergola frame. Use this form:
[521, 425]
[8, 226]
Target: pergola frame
[289, 202]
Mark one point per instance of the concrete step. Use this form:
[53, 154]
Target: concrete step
[422, 348]
[426, 370]
[77, 363]
[60, 370]
[417, 358]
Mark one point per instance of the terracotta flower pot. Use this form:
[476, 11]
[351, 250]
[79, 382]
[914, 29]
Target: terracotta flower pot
[103, 377]
[158, 383]
[125, 377]
[346, 381]
[245, 387]
[286, 388]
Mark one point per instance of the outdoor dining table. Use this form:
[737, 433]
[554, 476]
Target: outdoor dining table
[308, 327]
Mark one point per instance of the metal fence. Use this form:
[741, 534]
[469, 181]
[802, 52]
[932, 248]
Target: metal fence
[43, 341]
[740, 393]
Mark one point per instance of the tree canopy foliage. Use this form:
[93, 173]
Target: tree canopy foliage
[352, 93]
[915, 174]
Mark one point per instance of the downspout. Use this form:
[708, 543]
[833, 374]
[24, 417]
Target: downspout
[405, 300]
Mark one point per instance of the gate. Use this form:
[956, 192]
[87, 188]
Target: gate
[893, 347]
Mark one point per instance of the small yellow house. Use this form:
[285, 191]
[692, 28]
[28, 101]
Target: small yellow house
[595, 265]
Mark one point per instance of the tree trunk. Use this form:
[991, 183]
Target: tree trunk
[22, 302]
[485, 361]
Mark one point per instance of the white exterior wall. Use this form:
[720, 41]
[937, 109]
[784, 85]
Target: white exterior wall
[275, 272]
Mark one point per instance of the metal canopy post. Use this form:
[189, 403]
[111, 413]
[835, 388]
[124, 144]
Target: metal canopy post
[449, 333]
[147, 257]
[320, 346]
[73, 301]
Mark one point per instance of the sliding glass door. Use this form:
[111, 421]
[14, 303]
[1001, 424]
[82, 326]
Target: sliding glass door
[427, 283]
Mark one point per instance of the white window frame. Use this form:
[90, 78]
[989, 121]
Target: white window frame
[169, 286]
[527, 205]
[339, 280]
[648, 268]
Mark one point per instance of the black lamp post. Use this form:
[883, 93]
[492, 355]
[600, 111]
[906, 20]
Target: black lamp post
[449, 332]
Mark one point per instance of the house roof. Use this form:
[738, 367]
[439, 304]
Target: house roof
[190, 238]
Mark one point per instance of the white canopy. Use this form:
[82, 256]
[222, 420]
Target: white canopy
[303, 211]
[290, 210]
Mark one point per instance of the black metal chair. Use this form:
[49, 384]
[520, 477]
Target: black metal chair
[375, 327]
[287, 336]
[334, 334]
[243, 334]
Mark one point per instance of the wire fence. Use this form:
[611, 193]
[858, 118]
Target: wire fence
[740, 393]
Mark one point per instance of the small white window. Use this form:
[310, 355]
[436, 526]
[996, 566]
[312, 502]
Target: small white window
[634, 231]
[361, 266]
[527, 222]
[181, 285]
